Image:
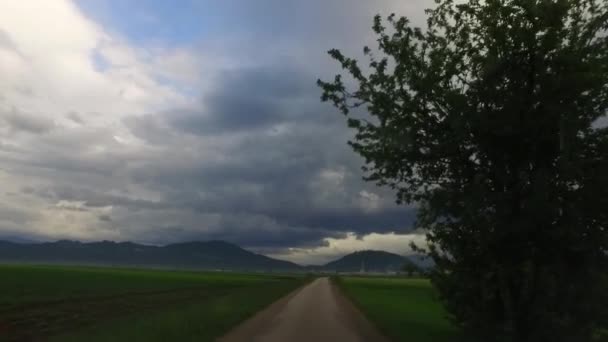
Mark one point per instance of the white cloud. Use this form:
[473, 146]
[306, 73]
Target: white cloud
[49, 67]
[71, 205]
[66, 87]
[335, 248]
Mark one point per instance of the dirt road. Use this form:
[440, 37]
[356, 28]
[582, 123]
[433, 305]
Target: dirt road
[317, 312]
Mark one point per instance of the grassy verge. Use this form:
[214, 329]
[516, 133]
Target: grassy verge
[403, 309]
[105, 304]
[202, 321]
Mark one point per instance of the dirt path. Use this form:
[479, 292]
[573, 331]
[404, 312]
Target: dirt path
[317, 312]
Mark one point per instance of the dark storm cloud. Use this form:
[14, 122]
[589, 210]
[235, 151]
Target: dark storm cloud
[266, 173]
[246, 99]
[236, 113]
[267, 237]
[351, 219]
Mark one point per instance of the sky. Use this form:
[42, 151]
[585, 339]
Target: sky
[162, 121]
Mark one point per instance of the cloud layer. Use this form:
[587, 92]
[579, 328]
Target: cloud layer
[104, 136]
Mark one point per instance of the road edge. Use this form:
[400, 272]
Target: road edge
[255, 323]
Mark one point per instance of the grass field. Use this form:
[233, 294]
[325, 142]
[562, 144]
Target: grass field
[403, 309]
[106, 304]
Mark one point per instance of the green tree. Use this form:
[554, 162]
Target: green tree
[410, 269]
[488, 119]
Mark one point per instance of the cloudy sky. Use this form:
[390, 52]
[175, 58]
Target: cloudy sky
[144, 121]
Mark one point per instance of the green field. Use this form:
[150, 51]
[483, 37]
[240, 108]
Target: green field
[106, 304]
[403, 309]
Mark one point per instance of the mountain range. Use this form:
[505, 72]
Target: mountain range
[187, 255]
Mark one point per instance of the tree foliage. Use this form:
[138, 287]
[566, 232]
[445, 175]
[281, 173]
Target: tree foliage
[410, 269]
[488, 119]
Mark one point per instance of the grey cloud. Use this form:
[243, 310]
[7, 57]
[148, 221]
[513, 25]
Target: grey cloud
[260, 174]
[399, 220]
[7, 42]
[67, 195]
[151, 128]
[75, 117]
[105, 218]
[245, 164]
[263, 235]
[21, 121]
[245, 99]
[315, 22]
[259, 190]
[271, 174]
[236, 114]
[17, 216]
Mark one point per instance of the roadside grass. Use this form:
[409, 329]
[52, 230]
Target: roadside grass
[404, 309]
[61, 303]
[33, 284]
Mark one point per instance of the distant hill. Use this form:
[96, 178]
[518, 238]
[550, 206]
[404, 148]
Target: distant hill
[370, 261]
[188, 255]
[195, 255]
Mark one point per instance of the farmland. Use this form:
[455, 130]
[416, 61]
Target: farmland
[404, 309]
[106, 304]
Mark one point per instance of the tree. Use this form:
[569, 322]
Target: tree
[410, 269]
[488, 119]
